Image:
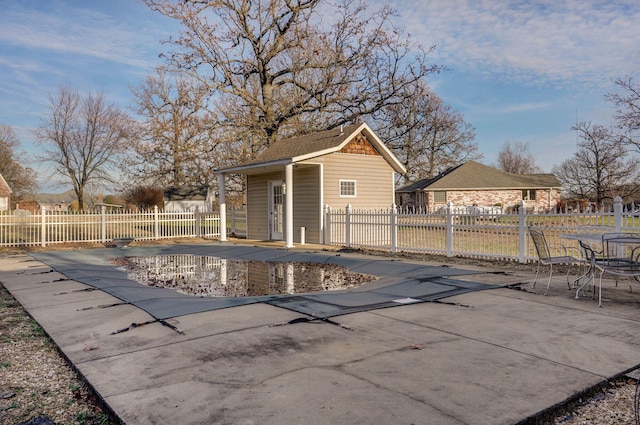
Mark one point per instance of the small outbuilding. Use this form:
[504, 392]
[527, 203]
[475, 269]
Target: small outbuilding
[188, 198]
[289, 184]
[5, 194]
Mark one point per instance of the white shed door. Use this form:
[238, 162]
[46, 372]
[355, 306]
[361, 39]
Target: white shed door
[276, 210]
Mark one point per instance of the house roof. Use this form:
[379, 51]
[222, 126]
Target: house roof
[186, 193]
[312, 145]
[3, 182]
[473, 175]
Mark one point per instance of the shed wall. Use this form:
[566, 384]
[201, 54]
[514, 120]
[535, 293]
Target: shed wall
[307, 208]
[258, 204]
[373, 175]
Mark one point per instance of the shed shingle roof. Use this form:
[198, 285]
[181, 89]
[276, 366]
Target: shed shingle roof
[304, 145]
[312, 145]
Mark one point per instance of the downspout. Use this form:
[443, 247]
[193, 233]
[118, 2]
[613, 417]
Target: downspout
[288, 201]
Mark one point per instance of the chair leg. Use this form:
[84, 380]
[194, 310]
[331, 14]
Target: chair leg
[586, 282]
[533, 286]
[600, 291]
[583, 275]
[549, 281]
[568, 272]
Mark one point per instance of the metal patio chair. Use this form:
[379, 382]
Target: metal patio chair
[547, 258]
[620, 257]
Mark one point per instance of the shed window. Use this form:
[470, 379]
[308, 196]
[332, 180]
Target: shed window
[528, 194]
[440, 196]
[347, 188]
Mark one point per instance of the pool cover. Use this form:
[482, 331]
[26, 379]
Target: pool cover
[408, 283]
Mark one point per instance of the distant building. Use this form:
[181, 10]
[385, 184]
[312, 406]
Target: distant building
[56, 202]
[473, 183]
[188, 198]
[5, 195]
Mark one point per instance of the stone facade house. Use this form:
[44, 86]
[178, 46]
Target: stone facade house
[473, 183]
[5, 195]
[289, 184]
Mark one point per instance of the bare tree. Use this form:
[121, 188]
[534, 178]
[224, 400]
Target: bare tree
[82, 137]
[427, 135]
[177, 143]
[601, 168]
[627, 107]
[20, 178]
[144, 197]
[516, 158]
[279, 67]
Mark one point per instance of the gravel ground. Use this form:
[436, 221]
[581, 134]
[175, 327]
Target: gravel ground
[36, 380]
[613, 405]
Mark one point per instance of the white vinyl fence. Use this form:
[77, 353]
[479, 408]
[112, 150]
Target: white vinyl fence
[102, 226]
[492, 235]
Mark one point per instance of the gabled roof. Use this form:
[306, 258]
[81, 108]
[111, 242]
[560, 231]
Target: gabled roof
[4, 183]
[186, 193]
[313, 145]
[475, 176]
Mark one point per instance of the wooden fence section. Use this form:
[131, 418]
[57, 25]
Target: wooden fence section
[489, 235]
[103, 226]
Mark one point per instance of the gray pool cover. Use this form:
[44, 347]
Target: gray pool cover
[407, 282]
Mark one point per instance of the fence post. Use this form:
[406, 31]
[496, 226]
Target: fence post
[347, 226]
[103, 224]
[156, 222]
[394, 228]
[522, 234]
[233, 220]
[197, 222]
[43, 227]
[327, 225]
[617, 214]
[449, 230]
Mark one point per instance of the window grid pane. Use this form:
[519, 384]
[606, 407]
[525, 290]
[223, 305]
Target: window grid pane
[347, 188]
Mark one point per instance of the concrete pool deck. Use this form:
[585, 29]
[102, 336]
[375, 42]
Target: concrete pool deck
[494, 356]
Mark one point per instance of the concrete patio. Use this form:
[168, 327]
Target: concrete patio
[500, 355]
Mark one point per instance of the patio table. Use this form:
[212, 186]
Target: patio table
[611, 261]
[588, 239]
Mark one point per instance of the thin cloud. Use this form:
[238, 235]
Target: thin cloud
[537, 42]
[77, 31]
[525, 107]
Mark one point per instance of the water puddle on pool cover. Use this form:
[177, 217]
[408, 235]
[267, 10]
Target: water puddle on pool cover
[218, 277]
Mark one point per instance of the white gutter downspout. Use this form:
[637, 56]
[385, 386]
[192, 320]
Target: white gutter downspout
[288, 201]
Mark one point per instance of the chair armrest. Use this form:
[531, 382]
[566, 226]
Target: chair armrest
[571, 251]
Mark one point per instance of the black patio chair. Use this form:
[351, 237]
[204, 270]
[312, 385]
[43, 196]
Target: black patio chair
[548, 258]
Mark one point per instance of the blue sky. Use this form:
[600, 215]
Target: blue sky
[519, 70]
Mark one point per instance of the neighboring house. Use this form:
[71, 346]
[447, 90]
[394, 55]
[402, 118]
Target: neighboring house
[5, 195]
[289, 184]
[28, 206]
[56, 202]
[188, 198]
[473, 183]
